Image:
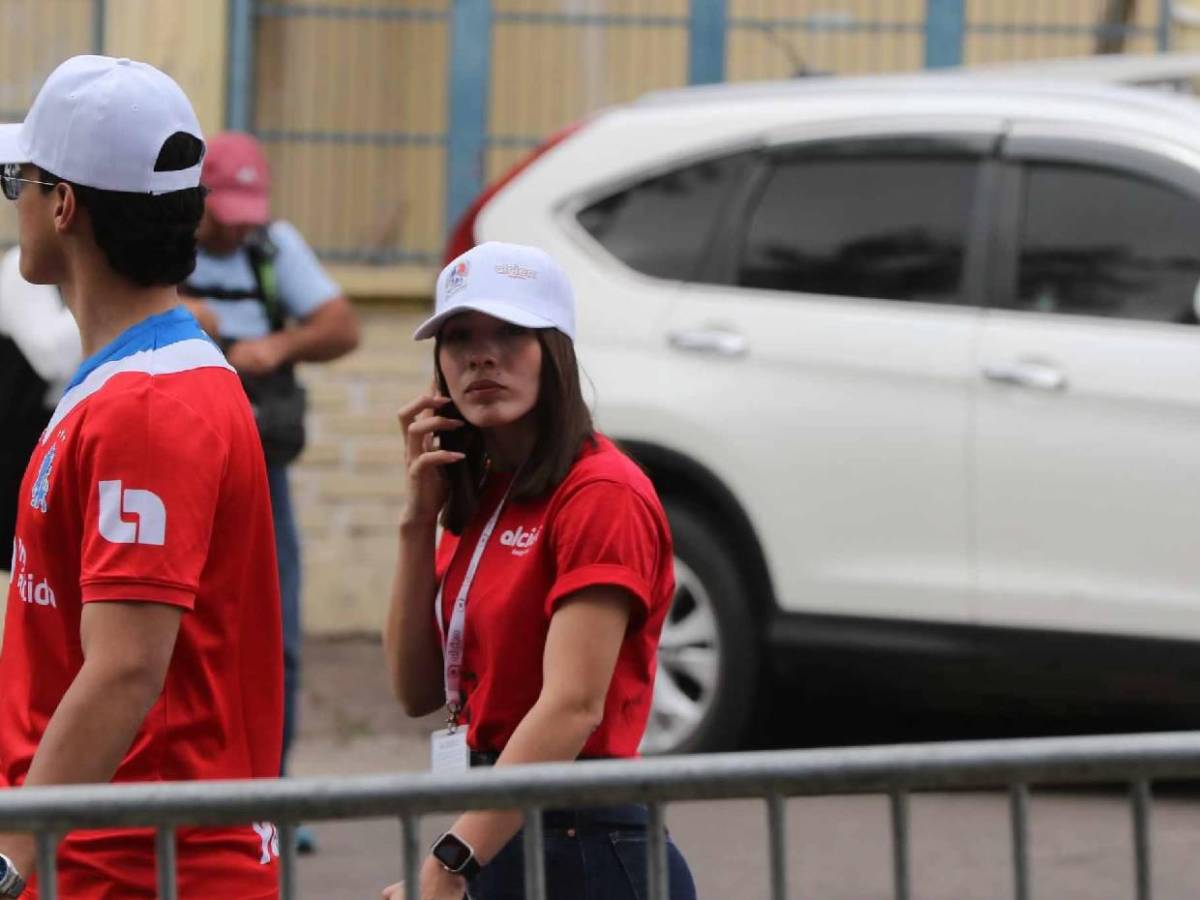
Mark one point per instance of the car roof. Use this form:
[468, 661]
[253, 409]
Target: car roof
[1149, 69]
[665, 128]
[1087, 94]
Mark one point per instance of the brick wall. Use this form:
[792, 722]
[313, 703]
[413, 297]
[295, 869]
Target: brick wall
[349, 484]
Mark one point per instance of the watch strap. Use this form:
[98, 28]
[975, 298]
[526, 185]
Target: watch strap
[11, 882]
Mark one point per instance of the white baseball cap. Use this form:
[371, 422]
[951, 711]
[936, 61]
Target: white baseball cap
[102, 122]
[518, 284]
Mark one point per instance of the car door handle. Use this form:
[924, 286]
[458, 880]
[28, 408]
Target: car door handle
[709, 340]
[1039, 376]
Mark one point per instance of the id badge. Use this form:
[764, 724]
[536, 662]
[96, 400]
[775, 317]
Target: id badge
[449, 752]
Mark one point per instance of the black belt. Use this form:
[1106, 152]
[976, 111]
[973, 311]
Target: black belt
[626, 815]
[490, 757]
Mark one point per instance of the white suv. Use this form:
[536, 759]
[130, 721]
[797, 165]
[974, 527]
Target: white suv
[913, 362]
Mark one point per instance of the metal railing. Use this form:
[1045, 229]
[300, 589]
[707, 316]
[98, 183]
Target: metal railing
[894, 771]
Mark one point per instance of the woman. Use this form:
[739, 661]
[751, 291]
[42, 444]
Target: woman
[549, 587]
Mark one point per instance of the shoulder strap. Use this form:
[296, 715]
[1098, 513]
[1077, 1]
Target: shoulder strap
[261, 253]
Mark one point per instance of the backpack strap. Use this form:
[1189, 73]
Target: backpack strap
[261, 253]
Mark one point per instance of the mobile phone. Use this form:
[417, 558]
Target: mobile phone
[453, 439]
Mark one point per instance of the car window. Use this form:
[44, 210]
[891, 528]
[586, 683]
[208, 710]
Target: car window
[661, 226]
[1101, 242]
[863, 224]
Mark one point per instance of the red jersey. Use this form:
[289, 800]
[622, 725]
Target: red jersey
[603, 525]
[149, 485]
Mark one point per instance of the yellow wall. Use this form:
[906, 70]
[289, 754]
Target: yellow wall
[185, 38]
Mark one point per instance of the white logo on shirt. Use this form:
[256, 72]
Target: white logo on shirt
[520, 540]
[269, 835]
[31, 590]
[150, 525]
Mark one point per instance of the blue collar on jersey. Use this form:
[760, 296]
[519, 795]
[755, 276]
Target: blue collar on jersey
[157, 331]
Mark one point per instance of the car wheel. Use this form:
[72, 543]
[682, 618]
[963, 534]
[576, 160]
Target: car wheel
[707, 665]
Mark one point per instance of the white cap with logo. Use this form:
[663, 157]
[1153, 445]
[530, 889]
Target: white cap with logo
[102, 122]
[513, 282]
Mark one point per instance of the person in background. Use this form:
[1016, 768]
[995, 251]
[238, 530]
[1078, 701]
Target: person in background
[536, 619]
[143, 641]
[270, 304]
[39, 352]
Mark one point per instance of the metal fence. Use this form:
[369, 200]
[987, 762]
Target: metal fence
[36, 36]
[897, 772]
[386, 118]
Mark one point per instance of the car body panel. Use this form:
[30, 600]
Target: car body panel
[852, 430]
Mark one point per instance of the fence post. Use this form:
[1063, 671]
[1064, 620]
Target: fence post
[470, 71]
[945, 26]
[239, 88]
[1165, 16]
[99, 15]
[706, 42]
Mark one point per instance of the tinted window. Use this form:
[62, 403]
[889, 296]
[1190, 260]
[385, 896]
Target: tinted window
[1103, 243]
[866, 225]
[662, 226]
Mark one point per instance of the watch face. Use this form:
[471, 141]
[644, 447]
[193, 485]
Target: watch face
[451, 852]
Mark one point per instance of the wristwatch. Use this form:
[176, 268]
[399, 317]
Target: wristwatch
[11, 882]
[455, 855]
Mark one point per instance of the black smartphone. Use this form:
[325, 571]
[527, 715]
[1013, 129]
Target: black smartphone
[453, 439]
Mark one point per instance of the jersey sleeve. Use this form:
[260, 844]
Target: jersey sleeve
[150, 474]
[605, 533]
[304, 286]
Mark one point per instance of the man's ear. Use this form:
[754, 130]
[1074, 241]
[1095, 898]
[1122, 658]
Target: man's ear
[66, 207]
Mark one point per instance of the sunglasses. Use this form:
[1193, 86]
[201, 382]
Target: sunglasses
[11, 181]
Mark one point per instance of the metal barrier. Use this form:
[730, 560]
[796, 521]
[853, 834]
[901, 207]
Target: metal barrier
[895, 771]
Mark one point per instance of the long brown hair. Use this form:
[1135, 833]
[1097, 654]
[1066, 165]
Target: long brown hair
[563, 421]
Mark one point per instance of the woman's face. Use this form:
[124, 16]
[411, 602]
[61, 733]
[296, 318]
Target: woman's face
[492, 368]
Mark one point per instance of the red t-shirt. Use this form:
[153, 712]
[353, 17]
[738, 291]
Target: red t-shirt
[603, 525]
[150, 485]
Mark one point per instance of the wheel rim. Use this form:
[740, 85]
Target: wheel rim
[689, 665]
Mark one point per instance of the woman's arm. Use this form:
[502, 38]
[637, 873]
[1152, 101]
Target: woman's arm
[410, 642]
[582, 646]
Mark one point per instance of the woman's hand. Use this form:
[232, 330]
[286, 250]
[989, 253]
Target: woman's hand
[426, 483]
[436, 884]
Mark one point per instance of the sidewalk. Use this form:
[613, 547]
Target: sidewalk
[351, 725]
[838, 846]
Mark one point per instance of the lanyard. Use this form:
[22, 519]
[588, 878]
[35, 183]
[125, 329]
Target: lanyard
[452, 639]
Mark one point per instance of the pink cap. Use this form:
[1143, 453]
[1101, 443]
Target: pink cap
[238, 180]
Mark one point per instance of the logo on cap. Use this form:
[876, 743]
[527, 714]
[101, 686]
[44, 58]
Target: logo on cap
[512, 270]
[457, 279]
[246, 175]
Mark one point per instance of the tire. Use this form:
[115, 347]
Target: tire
[707, 662]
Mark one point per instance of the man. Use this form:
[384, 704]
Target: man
[254, 275]
[39, 352]
[143, 635]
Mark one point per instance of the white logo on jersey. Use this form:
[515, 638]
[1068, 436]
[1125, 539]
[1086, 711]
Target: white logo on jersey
[29, 588]
[150, 525]
[269, 835]
[520, 540]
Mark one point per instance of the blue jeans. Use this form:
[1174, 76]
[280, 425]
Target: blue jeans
[591, 854]
[287, 554]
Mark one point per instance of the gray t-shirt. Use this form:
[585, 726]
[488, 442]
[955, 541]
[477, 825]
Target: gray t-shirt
[304, 285]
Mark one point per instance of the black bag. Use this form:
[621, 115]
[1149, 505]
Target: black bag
[279, 400]
[23, 416]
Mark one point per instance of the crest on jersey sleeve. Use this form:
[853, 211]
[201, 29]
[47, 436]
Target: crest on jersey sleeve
[41, 487]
